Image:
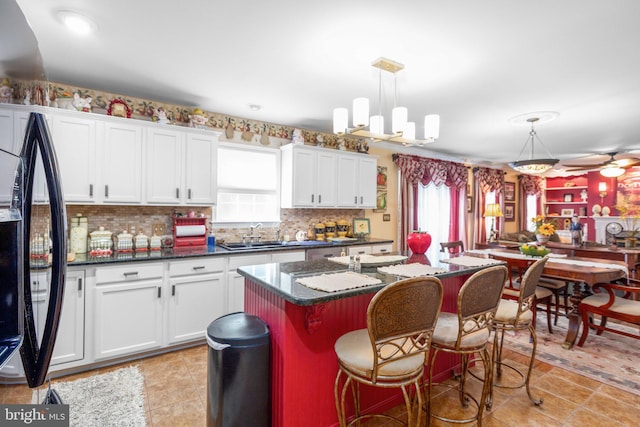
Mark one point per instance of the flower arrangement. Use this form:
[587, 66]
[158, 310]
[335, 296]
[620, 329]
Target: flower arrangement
[542, 227]
[631, 214]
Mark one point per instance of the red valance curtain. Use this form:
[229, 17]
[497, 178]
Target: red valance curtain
[530, 185]
[487, 180]
[416, 169]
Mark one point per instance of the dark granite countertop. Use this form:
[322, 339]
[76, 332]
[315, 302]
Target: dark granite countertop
[173, 253]
[280, 278]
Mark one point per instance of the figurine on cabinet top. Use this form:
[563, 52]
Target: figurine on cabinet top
[5, 91]
[583, 196]
[82, 104]
[197, 119]
[27, 97]
[297, 137]
[161, 116]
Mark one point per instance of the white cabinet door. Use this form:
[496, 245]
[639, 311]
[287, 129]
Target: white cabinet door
[303, 179]
[235, 282]
[194, 302]
[121, 163]
[326, 179]
[74, 139]
[367, 173]
[200, 169]
[7, 137]
[69, 345]
[164, 166]
[128, 318]
[357, 178]
[348, 179]
[382, 248]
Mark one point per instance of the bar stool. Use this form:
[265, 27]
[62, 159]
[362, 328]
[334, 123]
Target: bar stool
[467, 332]
[517, 315]
[452, 247]
[392, 350]
[558, 288]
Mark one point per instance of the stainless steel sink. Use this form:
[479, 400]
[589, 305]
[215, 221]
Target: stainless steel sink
[239, 246]
[272, 244]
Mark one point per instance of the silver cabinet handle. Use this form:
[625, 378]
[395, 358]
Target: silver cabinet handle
[312, 197]
[319, 198]
[79, 284]
[177, 193]
[173, 290]
[130, 274]
[90, 190]
[189, 194]
[383, 250]
[355, 200]
[361, 200]
[199, 267]
[159, 292]
[106, 191]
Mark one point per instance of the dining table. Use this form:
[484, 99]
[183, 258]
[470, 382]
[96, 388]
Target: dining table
[584, 272]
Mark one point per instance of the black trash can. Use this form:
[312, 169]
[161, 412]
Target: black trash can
[238, 384]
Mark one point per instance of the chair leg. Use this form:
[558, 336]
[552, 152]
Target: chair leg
[585, 327]
[549, 315]
[556, 296]
[463, 377]
[339, 397]
[535, 401]
[603, 324]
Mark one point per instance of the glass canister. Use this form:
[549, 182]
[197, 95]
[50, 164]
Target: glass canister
[78, 234]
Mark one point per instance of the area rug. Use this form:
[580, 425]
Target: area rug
[608, 358]
[112, 399]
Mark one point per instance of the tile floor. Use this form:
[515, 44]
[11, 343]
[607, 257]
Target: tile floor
[175, 385]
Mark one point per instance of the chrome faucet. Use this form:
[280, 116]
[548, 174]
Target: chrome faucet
[253, 227]
[250, 236]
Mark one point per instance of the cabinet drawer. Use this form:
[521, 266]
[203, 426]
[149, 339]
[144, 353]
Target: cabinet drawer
[199, 266]
[384, 248]
[240, 261]
[129, 273]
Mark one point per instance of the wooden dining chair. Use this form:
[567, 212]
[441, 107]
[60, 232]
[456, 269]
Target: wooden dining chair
[452, 247]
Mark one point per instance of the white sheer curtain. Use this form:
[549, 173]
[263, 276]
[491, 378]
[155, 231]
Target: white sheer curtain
[434, 207]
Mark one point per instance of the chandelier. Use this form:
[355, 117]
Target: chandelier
[372, 127]
[532, 165]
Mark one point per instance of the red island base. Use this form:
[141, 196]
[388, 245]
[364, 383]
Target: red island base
[303, 361]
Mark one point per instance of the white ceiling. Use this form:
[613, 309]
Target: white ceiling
[476, 63]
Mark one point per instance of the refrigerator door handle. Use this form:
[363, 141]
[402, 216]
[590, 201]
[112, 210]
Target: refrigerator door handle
[36, 358]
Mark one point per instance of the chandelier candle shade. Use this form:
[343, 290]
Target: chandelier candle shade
[532, 165]
[403, 131]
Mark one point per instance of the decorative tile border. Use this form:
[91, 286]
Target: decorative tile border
[51, 94]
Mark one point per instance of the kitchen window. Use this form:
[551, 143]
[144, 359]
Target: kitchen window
[248, 184]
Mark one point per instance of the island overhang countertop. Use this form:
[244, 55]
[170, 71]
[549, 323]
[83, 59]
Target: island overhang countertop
[282, 278]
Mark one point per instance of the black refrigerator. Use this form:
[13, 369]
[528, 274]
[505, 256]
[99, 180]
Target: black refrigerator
[17, 314]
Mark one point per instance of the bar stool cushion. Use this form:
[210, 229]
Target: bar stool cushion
[446, 333]
[507, 311]
[355, 352]
[541, 292]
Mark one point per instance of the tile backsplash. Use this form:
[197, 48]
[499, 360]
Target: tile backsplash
[143, 218]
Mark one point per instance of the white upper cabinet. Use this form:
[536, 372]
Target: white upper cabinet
[164, 160]
[315, 177]
[74, 139]
[309, 177]
[200, 169]
[357, 178]
[121, 160]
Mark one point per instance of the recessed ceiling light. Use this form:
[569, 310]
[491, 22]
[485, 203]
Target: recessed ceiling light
[255, 107]
[76, 22]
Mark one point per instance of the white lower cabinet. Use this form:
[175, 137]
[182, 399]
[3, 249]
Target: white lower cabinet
[69, 345]
[196, 298]
[370, 249]
[128, 309]
[235, 281]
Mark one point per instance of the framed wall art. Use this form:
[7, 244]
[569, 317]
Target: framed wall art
[509, 212]
[509, 191]
[566, 212]
[361, 226]
[381, 189]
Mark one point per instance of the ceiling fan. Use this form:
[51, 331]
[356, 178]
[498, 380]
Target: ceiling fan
[610, 164]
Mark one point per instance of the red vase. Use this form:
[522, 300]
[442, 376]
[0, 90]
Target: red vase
[419, 241]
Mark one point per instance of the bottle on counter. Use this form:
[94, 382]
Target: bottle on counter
[211, 238]
[358, 267]
[352, 263]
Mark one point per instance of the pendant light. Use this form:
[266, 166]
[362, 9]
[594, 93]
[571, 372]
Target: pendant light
[533, 165]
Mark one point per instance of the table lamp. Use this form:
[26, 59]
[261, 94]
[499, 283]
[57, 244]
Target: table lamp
[492, 211]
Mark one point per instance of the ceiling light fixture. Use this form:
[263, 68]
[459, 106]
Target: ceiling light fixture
[402, 130]
[532, 165]
[611, 171]
[76, 22]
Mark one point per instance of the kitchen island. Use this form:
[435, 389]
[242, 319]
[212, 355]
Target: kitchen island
[305, 323]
